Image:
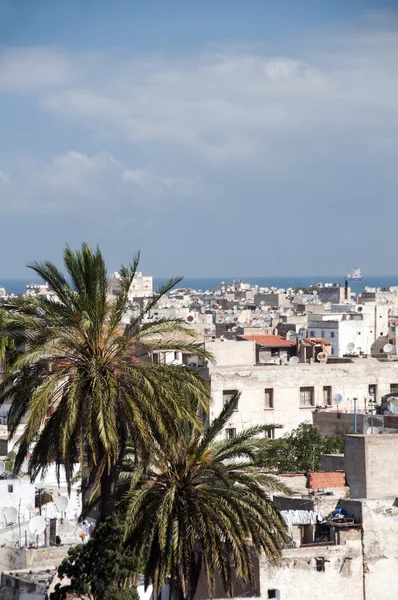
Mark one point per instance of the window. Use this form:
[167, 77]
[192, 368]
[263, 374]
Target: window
[322, 334]
[327, 394]
[332, 351]
[306, 396]
[332, 334]
[274, 594]
[373, 393]
[269, 398]
[10, 489]
[270, 434]
[230, 433]
[393, 388]
[320, 565]
[227, 396]
[312, 333]
[381, 334]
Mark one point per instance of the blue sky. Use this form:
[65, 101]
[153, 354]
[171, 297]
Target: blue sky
[221, 138]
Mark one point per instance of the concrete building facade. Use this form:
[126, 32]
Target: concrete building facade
[288, 394]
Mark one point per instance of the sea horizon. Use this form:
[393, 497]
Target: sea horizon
[18, 285]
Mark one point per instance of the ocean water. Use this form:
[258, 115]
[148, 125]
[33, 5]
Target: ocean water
[18, 286]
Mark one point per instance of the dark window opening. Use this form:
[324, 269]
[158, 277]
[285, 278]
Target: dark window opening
[230, 433]
[320, 565]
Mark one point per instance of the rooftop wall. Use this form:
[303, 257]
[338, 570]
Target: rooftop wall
[371, 465]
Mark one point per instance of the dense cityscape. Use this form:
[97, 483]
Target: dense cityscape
[198, 300]
[304, 378]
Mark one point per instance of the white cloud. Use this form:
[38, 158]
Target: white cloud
[77, 172]
[77, 182]
[236, 135]
[24, 69]
[137, 176]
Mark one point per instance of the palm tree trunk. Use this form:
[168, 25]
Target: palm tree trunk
[109, 481]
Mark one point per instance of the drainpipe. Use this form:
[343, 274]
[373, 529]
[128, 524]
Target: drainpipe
[355, 415]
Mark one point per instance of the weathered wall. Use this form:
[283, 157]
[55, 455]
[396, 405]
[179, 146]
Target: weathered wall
[332, 423]
[349, 379]
[371, 466]
[232, 354]
[380, 544]
[25, 558]
[332, 462]
[297, 577]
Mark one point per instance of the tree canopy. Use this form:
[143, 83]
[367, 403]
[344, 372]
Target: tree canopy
[85, 381]
[101, 569]
[301, 449]
[205, 505]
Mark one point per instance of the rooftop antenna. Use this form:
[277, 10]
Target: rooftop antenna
[293, 360]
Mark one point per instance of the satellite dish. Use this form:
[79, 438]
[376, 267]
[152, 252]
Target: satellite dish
[322, 356]
[350, 347]
[10, 514]
[7, 593]
[387, 348]
[373, 430]
[2, 467]
[293, 360]
[37, 525]
[61, 503]
[337, 399]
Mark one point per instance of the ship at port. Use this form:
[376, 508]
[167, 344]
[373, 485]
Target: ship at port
[354, 274]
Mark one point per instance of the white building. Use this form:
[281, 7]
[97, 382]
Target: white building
[361, 328]
[141, 287]
[287, 394]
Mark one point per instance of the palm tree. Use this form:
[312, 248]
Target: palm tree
[205, 506]
[85, 382]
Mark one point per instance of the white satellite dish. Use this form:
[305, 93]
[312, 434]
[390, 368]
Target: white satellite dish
[337, 399]
[293, 360]
[373, 430]
[350, 347]
[2, 467]
[61, 503]
[387, 348]
[10, 514]
[37, 525]
[322, 356]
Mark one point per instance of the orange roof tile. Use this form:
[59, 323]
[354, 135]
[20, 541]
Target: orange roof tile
[269, 340]
[315, 341]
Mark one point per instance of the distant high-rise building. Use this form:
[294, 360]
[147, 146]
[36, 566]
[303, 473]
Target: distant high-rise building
[141, 287]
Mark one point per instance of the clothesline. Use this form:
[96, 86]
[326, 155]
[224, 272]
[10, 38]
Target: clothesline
[302, 517]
